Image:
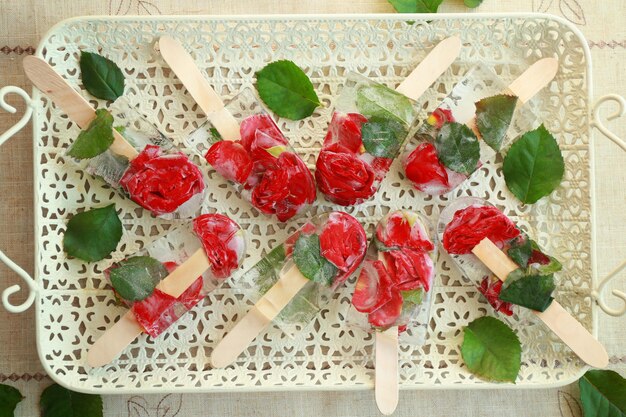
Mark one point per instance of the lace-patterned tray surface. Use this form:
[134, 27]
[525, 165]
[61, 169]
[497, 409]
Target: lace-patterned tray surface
[74, 305]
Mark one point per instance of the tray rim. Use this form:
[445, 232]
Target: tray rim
[36, 98]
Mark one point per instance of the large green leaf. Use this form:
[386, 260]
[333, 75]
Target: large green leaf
[416, 6]
[93, 234]
[286, 90]
[95, 139]
[379, 102]
[57, 401]
[101, 76]
[10, 397]
[534, 166]
[472, 3]
[520, 251]
[530, 291]
[458, 148]
[491, 350]
[383, 137]
[307, 256]
[134, 279]
[493, 118]
[603, 394]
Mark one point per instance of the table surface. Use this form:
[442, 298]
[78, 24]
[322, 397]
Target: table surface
[24, 22]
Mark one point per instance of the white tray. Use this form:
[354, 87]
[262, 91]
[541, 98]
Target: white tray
[74, 306]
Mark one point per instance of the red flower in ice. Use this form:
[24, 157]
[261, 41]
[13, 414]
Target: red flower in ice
[491, 288]
[387, 314]
[423, 168]
[439, 117]
[397, 232]
[259, 123]
[343, 242]
[285, 187]
[161, 182]
[376, 294]
[222, 242]
[342, 176]
[474, 223]
[345, 129]
[230, 159]
[410, 269]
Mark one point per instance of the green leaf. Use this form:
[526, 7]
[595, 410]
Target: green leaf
[457, 147]
[493, 118]
[472, 3]
[491, 350]
[215, 135]
[93, 234]
[96, 139]
[265, 273]
[413, 297]
[134, 279]
[603, 394]
[9, 399]
[101, 76]
[416, 6]
[275, 151]
[534, 166]
[286, 90]
[530, 291]
[310, 262]
[378, 101]
[551, 268]
[382, 137]
[57, 401]
[520, 250]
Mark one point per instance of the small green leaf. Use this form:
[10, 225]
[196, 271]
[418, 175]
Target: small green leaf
[534, 166]
[310, 262]
[603, 394]
[530, 291]
[57, 401]
[378, 101]
[457, 147]
[472, 3]
[96, 139]
[134, 279]
[493, 118]
[491, 350]
[101, 76]
[93, 234]
[382, 137]
[520, 250]
[416, 6]
[413, 297]
[9, 399]
[215, 135]
[286, 90]
[275, 151]
[265, 273]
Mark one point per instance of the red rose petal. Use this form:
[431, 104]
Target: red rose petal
[343, 242]
[221, 242]
[345, 129]
[386, 315]
[491, 289]
[423, 168]
[250, 126]
[410, 269]
[230, 160]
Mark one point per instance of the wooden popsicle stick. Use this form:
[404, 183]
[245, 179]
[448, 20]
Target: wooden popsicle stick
[127, 329]
[258, 318]
[46, 79]
[536, 77]
[208, 100]
[432, 66]
[386, 368]
[566, 327]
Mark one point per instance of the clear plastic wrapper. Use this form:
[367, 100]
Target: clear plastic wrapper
[421, 160]
[367, 129]
[260, 163]
[219, 237]
[334, 241]
[466, 222]
[160, 178]
[395, 283]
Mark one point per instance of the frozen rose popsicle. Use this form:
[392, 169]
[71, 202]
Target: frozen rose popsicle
[243, 143]
[322, 253]
[369, 126]
[482, 240]
[142, 162]
[393, 292]
[185, 265]
[446, 150]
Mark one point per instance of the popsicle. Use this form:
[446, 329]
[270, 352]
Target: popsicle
[482, 240]
[393, 291]
[369, 125]
[141, 162]
[186, 264]
[446, 151]
[324, 252]
[243, 143]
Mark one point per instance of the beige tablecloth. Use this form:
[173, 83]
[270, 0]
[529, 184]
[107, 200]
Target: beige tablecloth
[22, 24]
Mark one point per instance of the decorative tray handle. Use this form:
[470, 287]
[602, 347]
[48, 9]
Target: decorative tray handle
[598, 124]
[30, 282]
